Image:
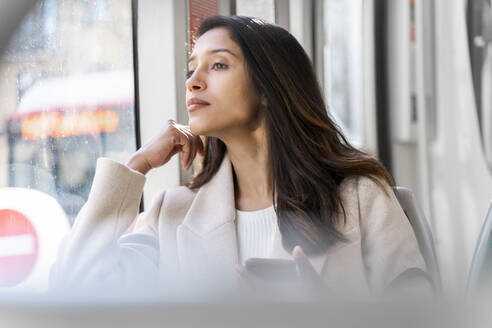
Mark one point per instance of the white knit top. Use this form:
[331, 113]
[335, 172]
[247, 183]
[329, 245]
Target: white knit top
[255, 232]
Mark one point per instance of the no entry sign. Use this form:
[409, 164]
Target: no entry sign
[18, 247]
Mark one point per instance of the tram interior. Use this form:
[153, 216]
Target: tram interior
[408, 81]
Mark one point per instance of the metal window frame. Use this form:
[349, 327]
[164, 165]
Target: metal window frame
[136, 101]
[282, 13]
[382, 84]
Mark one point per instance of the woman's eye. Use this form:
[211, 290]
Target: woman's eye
[219, 66]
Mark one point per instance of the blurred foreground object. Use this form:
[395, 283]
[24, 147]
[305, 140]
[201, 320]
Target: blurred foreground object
[11, 13]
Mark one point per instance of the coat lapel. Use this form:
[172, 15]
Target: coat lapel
[207, 243]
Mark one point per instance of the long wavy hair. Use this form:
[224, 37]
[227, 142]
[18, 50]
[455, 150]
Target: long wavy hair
[309, 155]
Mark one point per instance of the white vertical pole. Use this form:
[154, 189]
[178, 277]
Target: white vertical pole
[158, 99]
[300, 23]
[368, 112]
[422, 86]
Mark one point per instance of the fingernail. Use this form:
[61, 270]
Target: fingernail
[297, 251]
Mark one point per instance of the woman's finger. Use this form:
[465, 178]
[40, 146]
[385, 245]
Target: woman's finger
[185, 157]
[194, 150]
[190, 146]
[197, 144]
[305, 269]
[185, 129]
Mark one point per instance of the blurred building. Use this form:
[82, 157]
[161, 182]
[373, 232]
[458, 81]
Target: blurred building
[61, 38]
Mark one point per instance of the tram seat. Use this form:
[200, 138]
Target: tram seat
[480, 269]
[422, 232]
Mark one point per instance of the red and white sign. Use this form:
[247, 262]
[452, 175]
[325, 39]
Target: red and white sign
[32, 226]
[19, 247]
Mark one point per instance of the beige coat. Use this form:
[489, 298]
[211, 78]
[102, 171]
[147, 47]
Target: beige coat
[191, 236]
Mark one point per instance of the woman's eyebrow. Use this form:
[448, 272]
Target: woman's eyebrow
[213, 51]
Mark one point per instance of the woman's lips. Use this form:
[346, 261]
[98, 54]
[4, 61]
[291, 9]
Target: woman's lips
[195, 103]
[194, 107]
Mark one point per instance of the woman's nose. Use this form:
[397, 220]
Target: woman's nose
[194, 83]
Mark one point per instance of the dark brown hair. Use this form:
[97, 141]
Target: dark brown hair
[309, 155]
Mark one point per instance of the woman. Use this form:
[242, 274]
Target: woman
[278, 180]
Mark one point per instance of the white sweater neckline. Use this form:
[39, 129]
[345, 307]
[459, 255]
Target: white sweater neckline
[255, 212]
[255, 232]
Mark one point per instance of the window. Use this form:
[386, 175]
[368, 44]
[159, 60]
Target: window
[479, 21]
[342, 56]
[264, 9]
[66, 98]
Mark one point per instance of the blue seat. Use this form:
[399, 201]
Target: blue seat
[481, 267]
[422, 232]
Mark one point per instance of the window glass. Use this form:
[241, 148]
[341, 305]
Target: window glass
[264, 9]
[479, 21]
[342, 55]
[66, 98]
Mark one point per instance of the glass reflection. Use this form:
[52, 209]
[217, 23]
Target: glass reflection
[66, 98]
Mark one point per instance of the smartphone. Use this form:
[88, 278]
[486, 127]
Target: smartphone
[272, 269]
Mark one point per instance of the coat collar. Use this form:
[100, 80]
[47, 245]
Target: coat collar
[207, 243]
[214, 203]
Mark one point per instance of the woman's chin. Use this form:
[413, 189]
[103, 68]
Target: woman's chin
[197, 129]
[206, 128]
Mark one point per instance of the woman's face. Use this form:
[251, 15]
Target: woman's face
[219, 94]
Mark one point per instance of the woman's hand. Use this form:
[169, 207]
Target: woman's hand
[172, 139]
[307, 273]
[307, 277]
